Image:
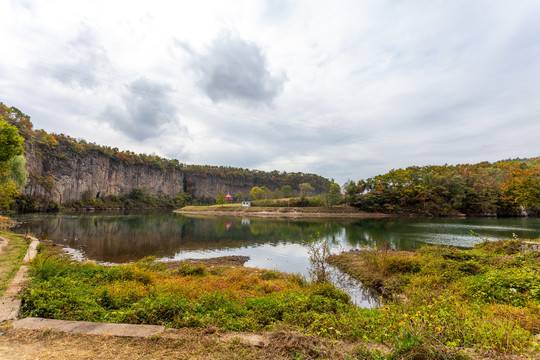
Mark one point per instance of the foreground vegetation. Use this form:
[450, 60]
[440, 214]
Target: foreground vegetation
[486, 297]
[439, 300]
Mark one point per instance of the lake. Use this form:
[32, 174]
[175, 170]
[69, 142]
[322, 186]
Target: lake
[281, 244]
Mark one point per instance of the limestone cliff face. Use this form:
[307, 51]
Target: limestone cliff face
[97, 175]
[66, 176]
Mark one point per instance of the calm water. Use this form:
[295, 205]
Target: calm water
[117, 237]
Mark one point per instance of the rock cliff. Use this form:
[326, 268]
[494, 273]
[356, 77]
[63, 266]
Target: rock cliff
[65, 170]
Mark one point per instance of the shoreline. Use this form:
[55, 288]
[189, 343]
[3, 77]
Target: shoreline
[285, 213]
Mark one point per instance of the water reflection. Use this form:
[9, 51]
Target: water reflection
[129, 236]
[117, 237]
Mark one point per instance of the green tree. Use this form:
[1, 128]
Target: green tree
[12, 172]
[181, 199]
[277, 194]
[351, 190]
[287, 191]
[137, 194]
[333, 196]
[306, 190]
[10, 145]
[8, 191]
[18, 171]
[256, 193]
[239, 197]
[220, 198]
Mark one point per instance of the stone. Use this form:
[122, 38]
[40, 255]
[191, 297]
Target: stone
[90, 328]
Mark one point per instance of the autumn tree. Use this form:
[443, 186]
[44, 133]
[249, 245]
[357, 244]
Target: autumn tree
[256, 193]
[523, 187]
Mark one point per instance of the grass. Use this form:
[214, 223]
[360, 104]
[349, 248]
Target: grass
[438, 300]
[487, 297]
[238, 299]
[11, 256]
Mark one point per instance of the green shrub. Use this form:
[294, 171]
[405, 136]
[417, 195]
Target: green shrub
[194, 270]
[508, 286]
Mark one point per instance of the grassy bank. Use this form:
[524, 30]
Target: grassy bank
[487, 297]
[12, 250]
[440, 300]
[279, 211]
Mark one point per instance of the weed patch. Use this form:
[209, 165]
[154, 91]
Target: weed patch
[487, 298]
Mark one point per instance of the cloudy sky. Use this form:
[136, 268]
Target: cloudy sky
[344, 89]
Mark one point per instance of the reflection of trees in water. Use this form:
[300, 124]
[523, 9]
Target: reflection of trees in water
[380, 233]
[125, 236]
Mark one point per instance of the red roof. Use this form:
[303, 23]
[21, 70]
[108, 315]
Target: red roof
[228, 197]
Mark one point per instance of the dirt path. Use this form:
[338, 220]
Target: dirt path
[3, 244]
[187, 343]
[10, 303]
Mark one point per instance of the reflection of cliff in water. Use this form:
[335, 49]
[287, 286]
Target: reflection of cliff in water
[121, 237]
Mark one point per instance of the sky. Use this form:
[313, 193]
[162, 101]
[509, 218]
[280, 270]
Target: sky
[343, 89]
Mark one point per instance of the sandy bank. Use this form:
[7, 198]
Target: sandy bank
[339, 213]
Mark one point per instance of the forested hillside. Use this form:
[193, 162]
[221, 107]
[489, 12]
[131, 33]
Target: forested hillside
[505, 188]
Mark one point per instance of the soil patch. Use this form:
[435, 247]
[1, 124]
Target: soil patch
[6, 222]
[235, 260]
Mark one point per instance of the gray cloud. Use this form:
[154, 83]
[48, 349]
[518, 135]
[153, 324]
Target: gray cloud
[146, 110]
[80, 62]
[235, 69]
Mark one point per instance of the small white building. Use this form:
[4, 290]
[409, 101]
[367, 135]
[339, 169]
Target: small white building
[246, 203]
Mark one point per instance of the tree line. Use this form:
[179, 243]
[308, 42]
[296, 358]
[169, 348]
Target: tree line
[504, 188]
[304, 195]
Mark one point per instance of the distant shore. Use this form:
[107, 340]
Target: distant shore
[280, 212]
